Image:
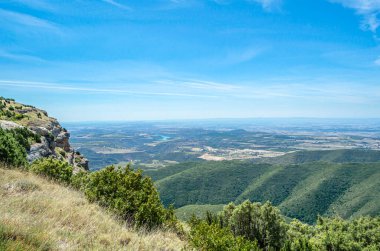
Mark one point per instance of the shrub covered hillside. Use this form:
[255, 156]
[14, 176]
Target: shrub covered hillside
[301, 191]
[256, 226]
[37, 214]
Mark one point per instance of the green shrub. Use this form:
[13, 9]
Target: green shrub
[25, 137]
[255, 221]
[263, 226]
[298, 237]
[18, 116]
[9, 114]
[129, 194]
[338, 234]
[80, 180]
[12, 152]
[205, 236]
[53, 168]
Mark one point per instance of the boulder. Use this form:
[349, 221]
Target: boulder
[39, 150]
[7, 125]
[62, 141]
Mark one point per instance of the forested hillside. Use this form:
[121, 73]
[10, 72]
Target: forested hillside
[334, 156]
[323, 183]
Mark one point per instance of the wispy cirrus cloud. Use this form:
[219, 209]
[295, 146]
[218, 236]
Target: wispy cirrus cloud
[245, 55]
[200, 84]
[62, 87]
[37, 4]
[19, 57]
[368, 9]
[27, 20]
[268, 5]
[377, 61]
[118, 5]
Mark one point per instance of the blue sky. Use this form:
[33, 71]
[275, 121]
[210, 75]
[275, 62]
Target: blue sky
[85, 60]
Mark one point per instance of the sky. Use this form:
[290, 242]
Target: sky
[105, 60]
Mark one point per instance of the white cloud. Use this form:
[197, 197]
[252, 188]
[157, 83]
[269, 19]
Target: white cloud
[61, 87]
[116, 4]
[19, 57]
[371, 22]
[28, 20]
[36, 4]
[200, 84]
[368, 9]
[377, 61]
[268, 5]
[236, 57]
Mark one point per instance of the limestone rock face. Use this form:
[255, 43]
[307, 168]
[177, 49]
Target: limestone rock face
[62, 140]
[54, 138]
[40, 150]
[6, 125]
[55, 142]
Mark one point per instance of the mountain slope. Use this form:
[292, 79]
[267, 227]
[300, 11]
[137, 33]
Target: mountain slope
[300, 190]
[334, 156]
[36, 214]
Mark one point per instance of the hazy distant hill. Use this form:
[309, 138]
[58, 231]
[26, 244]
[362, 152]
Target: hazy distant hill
[343, 182]
[335, 156]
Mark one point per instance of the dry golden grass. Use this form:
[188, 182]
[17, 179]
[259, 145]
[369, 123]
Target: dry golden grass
[39, 214]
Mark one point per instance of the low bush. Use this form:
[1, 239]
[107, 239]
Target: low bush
[25, 137]
[205, 236]
[53, 168]
[262, 226]
[18, 116]
[256, 222]
[12, 152]
[80, 180]
[129, 194]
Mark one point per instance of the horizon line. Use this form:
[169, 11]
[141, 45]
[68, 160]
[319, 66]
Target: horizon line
[226, 118]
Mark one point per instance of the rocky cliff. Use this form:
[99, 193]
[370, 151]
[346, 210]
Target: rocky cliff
[54, 138]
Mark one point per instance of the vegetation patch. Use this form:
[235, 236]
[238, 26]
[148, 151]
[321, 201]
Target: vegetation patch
[129, 194]
[12, 150]
[21, 186]
[53, 168]
[13, 239]
[256, 226]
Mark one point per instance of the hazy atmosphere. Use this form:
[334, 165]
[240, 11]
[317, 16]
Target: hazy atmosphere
[189, 59]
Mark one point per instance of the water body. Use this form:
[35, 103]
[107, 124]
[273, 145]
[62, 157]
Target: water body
[164, 137]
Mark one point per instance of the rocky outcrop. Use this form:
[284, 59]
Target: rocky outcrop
[55, 142]
[6, 125]
[54, 138]
[62, 141]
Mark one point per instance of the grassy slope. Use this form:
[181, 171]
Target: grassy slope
[36, 214]
[302, 191]
[32, 116]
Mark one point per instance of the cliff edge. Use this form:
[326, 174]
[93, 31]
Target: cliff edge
[54, 138]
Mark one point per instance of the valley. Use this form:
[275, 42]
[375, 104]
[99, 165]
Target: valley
[151, 145]
[305, 167]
